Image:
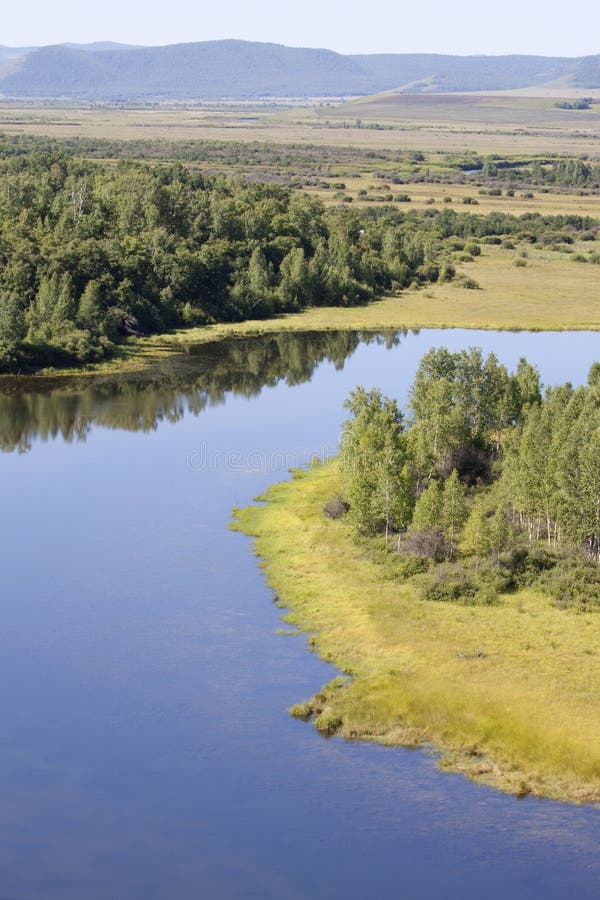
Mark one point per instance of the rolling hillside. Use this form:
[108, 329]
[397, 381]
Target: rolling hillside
[246, 70]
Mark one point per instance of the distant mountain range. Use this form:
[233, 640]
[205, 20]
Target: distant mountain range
[215, 70]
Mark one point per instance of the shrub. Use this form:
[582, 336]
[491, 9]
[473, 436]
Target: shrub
[523, 566]
[449, 583]
[447, 272]
[336, 507]
[428, 272]
[408, 566]
[427, 543]
[470, 284]
[574, 583]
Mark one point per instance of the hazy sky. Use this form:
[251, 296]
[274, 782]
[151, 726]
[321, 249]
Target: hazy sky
[449, 26]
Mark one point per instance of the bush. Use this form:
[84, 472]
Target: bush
[447, 272]
[523, 566]
[408, 566]
[573, 583]
[428, 272]
[469, 283]
[448, 583]
[336, 507]
[428, 543]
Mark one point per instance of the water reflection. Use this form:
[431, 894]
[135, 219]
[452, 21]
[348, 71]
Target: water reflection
[48, 408]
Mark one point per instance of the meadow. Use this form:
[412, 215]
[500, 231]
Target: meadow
[499, 123]
[507, 694]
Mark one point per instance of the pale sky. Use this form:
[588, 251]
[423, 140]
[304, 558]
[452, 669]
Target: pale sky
[545, 27]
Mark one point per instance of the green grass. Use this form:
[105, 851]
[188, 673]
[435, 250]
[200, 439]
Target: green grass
[524, 717]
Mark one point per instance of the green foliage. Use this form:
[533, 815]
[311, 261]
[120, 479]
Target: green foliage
[460, 405]
[573, 583]
[375, 479]
[93, 253]
[535, 519]
[476, 538]
[428, 508]
[13, 327]
[453, 511]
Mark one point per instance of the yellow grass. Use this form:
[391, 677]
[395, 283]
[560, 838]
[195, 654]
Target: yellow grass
[551, 204]
[524, 716]
[429, 127]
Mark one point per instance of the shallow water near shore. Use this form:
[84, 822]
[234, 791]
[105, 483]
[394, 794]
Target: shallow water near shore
[146, 750]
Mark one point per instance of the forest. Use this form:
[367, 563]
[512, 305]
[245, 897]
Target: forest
[91, 253]
[484, 486]
[94, 251]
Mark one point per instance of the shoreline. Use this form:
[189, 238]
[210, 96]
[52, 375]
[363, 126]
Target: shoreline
[505, 695]
[441, 307]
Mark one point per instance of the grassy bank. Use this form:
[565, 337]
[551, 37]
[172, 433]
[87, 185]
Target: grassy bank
[510, 694]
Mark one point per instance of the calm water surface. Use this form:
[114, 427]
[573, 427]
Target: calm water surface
[145, 749]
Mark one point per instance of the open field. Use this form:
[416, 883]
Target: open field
[426, 195]
[510, 693]
[452, 123]
[502, 110]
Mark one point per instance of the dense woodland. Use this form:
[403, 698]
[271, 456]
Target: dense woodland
[89, 253]
[485, 486]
